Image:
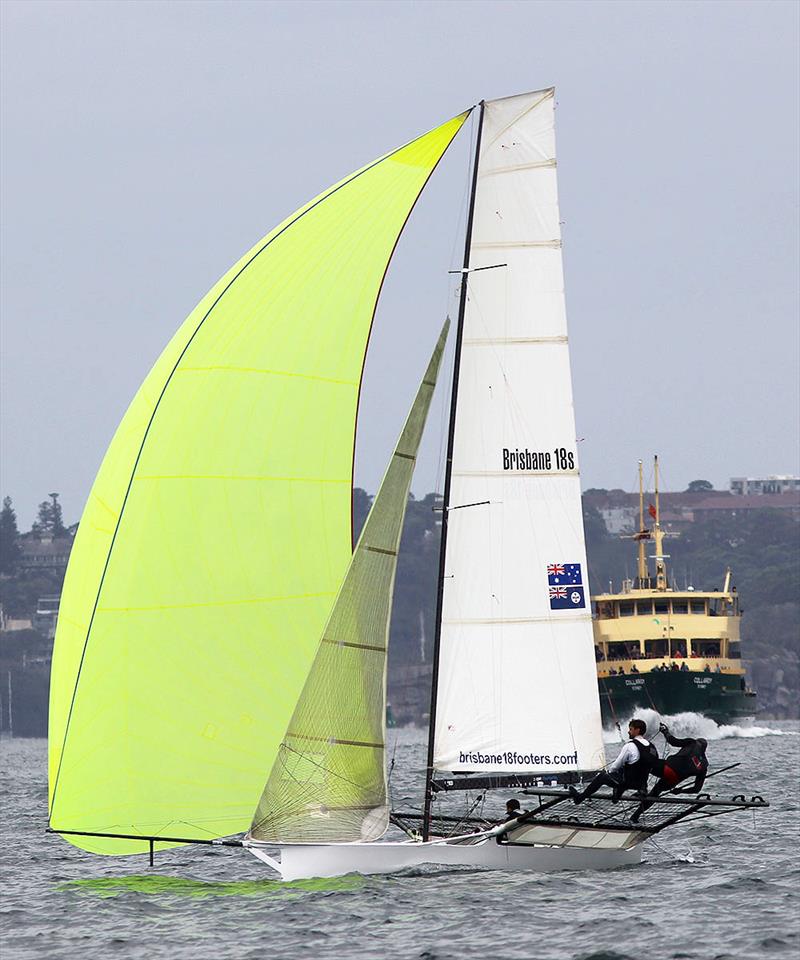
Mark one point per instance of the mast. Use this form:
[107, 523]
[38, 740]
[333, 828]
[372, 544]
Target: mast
[643, 533]
[661, 570]
[462, 306]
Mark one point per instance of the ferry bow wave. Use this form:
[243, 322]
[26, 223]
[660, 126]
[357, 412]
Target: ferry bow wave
[696, 725]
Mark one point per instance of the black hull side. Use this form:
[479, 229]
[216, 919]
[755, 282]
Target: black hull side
[721, 697]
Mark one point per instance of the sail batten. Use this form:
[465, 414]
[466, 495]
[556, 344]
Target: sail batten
[218, 528]
[331, 760]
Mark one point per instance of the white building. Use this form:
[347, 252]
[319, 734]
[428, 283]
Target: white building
[620, 519]
[748, 486]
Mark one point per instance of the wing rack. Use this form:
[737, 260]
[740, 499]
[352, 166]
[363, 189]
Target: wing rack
[556, 811]
[555, 807]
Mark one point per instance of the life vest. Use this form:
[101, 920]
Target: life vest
[634, 775]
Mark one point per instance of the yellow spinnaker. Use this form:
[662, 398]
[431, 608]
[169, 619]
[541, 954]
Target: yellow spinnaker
[217, 531]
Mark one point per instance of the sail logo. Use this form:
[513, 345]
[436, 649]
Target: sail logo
[565, 586]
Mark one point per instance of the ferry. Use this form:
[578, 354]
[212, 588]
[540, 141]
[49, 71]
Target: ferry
[667, 649]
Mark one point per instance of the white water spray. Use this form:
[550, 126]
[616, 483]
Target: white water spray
[692, 725]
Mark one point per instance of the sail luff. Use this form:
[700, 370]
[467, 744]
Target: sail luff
[462, 305]
[328, 783]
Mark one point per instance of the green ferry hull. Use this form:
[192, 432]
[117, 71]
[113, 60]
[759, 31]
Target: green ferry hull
[720, 697]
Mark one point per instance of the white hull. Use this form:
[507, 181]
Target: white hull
[299, 861]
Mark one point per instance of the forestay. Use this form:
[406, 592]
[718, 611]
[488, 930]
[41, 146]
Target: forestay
[328, 783]
[218, 529]
[517, 688]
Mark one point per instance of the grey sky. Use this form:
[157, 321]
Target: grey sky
[145, 146]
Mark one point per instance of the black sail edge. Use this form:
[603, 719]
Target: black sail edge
[462, 306]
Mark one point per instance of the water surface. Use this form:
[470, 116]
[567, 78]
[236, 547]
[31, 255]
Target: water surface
[723, 888]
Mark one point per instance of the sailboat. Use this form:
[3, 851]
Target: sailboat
[219, 670]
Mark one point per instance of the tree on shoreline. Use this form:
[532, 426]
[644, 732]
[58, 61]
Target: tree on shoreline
[49, 521]
[9, 539]
[700, 486]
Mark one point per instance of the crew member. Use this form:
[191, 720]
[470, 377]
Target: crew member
[689, 761]
[512, 810]
[629, 771]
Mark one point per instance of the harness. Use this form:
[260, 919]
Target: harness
[634, 775]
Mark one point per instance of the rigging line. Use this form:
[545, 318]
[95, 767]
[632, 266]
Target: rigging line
[168, 380]
[300, 783]
[669, 853]
[391, 771]
[372, 321]
[448, 477]
[462, 506]
[466, 815]
[463, 208]
[466, 270]
[611, 704]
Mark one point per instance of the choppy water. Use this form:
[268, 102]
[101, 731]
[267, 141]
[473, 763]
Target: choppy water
[725, 888]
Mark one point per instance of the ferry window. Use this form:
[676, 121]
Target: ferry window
[644, 608]
[655, 648]
[662, 606]
[605, 611]
[705, 648]
[626, 609]
[680, 606]
[698, 606]
[734, 650]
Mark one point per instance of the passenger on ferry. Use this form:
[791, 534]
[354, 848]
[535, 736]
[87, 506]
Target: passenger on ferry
[634, 668]
[629, 771]
[674, 666]
[684, 667]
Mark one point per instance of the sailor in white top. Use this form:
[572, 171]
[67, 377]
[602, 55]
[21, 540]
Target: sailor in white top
[630, 769]
[628, 754]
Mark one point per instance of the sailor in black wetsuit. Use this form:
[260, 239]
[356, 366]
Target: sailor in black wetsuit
[629, 771]
[689, 761]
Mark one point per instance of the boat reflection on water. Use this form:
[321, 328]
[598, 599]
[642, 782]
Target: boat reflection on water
[155, 885]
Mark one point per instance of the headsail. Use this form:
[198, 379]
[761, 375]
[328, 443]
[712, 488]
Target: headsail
[329, 781]
[516, 685]
[217, 531]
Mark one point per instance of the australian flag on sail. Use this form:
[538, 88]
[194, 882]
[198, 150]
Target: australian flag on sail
[565, 586]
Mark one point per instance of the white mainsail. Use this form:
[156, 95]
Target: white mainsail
[517, 689]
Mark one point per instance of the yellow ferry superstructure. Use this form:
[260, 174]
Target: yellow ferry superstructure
[668, 649]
